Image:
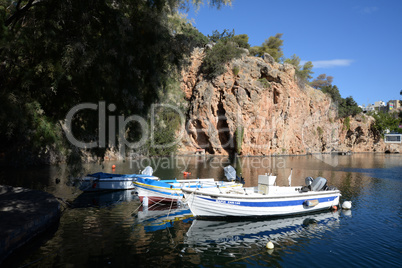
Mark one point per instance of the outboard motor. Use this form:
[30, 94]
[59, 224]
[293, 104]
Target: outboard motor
[309, 181]
[307, 187]
[230, 173]
[319, 184]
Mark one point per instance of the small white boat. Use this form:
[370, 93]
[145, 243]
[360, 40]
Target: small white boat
[167, 191]
[265, 200]
[101, 181]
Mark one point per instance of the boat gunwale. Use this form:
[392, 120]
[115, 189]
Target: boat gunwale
[184, 187]
[260, 196]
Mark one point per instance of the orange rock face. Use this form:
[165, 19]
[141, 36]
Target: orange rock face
[276, 114]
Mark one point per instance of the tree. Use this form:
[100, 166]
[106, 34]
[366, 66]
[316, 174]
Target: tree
[242, 40]
[306, 71]
[346, 107]
[322, 81]
[222, 52]
[333, 92]
[55, 54]
[303, 72]
[272, 46]
[223, 36]
[386, 122]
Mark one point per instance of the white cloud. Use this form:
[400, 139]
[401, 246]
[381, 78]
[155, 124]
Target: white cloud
[330, 63]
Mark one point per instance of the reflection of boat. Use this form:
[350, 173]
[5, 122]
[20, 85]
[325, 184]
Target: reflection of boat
[266, 200]
[101, 181]
[104, 199]
[170, 190]
[162, 217]
[205, 231]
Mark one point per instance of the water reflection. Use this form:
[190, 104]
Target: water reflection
[162, 216]
[104, 199]
[112, 229]
[221, 234]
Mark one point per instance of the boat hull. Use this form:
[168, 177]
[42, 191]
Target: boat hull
[210, 205]
[92, 185]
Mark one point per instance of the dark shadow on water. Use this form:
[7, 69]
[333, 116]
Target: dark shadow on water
[104, 199]
[16, 259]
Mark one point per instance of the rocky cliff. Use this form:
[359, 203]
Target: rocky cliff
[258, 107]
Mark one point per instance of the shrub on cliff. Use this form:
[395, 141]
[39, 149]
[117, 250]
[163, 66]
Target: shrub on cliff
[272, 46]
[346, 107]
[303, 72]
[222, 52]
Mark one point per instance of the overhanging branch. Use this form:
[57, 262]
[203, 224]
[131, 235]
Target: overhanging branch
[21, 11]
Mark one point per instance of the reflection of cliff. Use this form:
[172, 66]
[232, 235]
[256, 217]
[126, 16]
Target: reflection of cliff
[278, 115]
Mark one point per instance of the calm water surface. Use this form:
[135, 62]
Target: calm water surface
[113, 230]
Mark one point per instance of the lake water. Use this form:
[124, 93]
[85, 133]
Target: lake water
[113, 230]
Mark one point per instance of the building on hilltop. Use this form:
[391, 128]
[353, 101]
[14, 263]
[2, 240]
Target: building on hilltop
[380, 106]
[377, 106]
[393, 105]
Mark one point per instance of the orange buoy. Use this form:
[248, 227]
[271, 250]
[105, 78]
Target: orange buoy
[114, 166]
[334, 208]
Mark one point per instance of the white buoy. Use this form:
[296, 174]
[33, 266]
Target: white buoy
[145, 201]
[347, 205]
[270, 245]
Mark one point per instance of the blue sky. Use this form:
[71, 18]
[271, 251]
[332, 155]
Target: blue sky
[357, 42]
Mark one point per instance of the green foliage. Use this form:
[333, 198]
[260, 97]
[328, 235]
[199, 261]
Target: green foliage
[223, 36]
[56, 54]
[294, 60]
[239, 133]
[306, 71]
[264, 82]
[302, 72]
[242, 40]
[320, 131]
[272, 46]
[166, 120]
[29, 128]
[236, 70]
[163, 139]
[346, 107]
[186, 34]
[386, 122]
[222, 52]
[346, 123]
[333, 92]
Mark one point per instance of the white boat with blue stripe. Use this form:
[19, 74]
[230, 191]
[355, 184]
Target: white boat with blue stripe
[263, 201]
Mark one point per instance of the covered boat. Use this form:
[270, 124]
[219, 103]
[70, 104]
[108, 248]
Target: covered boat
[167, 191]
[101, 181]
[265, 200]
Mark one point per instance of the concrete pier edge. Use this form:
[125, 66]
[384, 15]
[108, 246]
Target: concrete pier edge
[24, 214]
